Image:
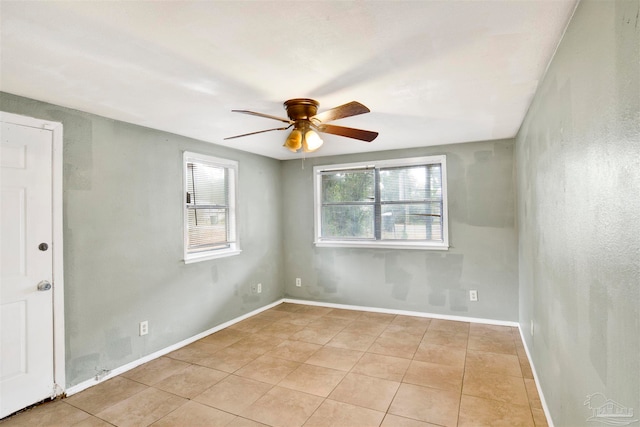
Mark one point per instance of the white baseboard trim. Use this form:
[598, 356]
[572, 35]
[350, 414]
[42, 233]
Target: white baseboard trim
[124, 368]
[127, 367]
[543, 401]
[404, 312]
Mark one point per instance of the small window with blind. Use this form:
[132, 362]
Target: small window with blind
[209, 207]
[399, 203]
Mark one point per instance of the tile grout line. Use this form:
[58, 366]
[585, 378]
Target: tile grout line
[464, 371]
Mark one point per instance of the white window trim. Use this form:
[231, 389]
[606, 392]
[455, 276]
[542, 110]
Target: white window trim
[234, 248]
[383, 244]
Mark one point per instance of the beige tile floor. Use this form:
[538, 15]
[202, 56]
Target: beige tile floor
[297, 365]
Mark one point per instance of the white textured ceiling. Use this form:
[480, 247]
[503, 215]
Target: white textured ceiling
[432, 72]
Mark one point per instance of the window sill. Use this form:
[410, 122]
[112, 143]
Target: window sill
[383, 245]
[209, 256]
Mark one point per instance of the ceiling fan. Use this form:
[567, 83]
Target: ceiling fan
[305, 120]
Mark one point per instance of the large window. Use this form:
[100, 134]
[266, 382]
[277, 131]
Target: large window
[209, 207]
[398, 203]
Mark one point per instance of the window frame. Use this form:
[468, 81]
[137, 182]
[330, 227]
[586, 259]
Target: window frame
[318, 241]
[232, 175]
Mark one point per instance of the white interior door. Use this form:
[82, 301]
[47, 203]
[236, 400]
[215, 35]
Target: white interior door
[26, 270]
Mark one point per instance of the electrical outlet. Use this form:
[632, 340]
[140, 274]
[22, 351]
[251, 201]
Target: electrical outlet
[473, 295]
[259, 288]
[144, 328]
[298, 282]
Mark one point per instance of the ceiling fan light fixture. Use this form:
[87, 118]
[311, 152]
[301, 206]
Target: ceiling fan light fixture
[312, 141]
[294, 141]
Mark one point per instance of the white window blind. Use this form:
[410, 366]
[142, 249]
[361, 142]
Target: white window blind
[411, 203]
[209, 206]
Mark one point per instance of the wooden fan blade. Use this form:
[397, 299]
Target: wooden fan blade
[254, 133]
[363, 135]
[266, 116]
[353, 108]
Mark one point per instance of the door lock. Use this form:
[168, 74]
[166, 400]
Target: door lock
[44, 286]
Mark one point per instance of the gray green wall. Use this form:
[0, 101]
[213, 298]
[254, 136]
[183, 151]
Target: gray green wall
[123, 240]
[482, 236]
[578, 163]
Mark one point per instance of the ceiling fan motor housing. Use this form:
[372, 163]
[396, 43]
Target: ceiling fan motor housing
[301, 108]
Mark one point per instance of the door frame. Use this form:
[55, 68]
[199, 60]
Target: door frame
[57, 247]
